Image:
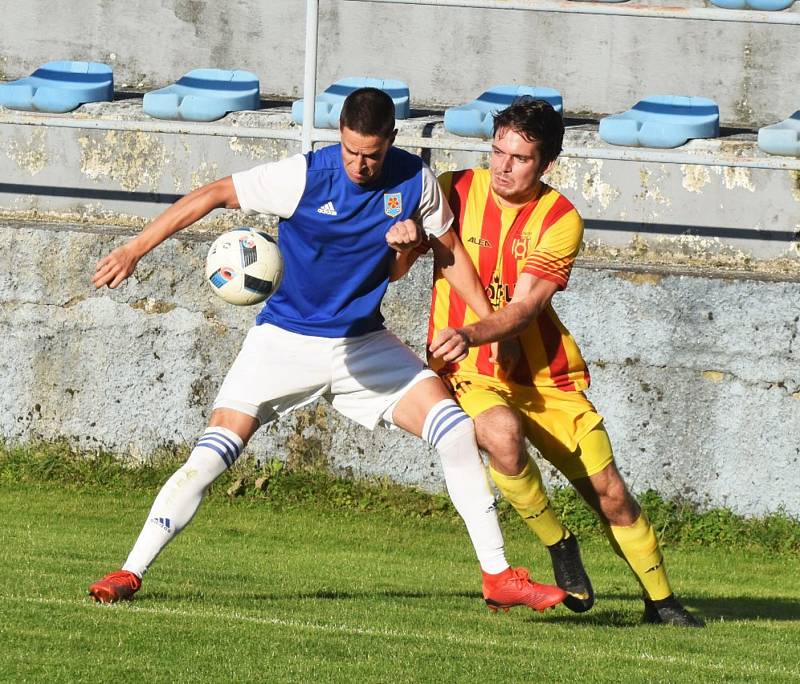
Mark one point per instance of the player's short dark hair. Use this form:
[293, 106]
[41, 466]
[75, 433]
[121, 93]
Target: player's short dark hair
[368, 111]
[536, 121]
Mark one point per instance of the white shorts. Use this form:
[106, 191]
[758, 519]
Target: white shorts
[278, 371]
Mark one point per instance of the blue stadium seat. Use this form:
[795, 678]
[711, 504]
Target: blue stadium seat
[768, 5]
[782, 138]
[475, 119]
[59, 87]
[662, 121]
[328, 104]
[204, 95]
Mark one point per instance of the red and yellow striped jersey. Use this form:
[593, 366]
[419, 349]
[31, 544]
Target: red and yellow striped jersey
[541, 238]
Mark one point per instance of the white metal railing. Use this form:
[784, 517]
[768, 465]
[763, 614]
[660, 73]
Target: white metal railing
[626, 10]
[155, 126]
[697, 157]
[310, 74]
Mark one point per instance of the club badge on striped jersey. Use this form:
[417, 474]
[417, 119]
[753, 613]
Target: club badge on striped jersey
[519, 248]
[393, 204]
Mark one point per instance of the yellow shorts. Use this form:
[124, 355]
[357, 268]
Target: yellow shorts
[554, 421]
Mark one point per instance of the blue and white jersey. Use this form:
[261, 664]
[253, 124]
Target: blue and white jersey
[333, 235]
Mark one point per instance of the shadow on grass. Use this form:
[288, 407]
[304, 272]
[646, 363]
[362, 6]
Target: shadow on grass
[596, 617]
[709, 609]
[321, 595]
[748, 608]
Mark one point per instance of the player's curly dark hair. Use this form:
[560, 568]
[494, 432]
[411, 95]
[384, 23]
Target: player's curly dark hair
[368, 111]
[535, 120]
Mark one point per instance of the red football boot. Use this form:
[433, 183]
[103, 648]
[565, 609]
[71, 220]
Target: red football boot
[115, 586]
[513, 587]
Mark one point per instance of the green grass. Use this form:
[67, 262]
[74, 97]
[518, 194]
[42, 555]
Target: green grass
[363, 586]
[676, 522]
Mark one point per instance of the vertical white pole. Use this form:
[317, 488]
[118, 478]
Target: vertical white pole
[310, 73]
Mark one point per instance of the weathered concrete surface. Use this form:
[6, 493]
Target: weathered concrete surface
[701, 214]
[446, 55]
[698, 376]
[699, 379]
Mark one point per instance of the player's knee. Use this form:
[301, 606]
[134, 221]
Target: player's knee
[500, 434]
[607, 493]
[242, 424]
[618, 506]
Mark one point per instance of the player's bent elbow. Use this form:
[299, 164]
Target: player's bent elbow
[218, 194]
[231, 199]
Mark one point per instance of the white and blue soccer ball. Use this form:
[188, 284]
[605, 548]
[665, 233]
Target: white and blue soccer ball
[244, 266]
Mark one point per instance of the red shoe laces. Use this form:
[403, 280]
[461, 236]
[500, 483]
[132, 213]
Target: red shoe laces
[520, 575]
[122, 576]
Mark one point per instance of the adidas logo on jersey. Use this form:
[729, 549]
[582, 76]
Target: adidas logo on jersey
[328, 209]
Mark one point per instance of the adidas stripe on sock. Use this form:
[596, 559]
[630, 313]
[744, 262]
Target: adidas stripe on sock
[442, 418]
[223, 442]
[180, 497]
[452, 433]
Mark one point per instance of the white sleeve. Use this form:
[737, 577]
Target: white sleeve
[434, 211]
[273, 188]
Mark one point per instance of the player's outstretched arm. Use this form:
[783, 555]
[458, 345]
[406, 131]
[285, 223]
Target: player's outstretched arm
[531, 296]
[114, 268]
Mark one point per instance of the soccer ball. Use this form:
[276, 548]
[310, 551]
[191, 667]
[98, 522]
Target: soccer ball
[244, 266]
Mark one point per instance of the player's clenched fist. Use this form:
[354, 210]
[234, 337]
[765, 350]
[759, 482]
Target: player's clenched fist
[450, 344]
[404, 235]
[114, 268]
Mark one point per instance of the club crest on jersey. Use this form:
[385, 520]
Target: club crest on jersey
[519, 248]
[393, 204]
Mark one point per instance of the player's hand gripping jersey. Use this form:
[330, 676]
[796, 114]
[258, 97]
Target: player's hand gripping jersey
[541, 238]
[332, 235]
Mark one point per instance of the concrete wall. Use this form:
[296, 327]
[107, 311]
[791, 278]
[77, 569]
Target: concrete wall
[685, 301]
[692, 341]
[698, 376]
[446, 55]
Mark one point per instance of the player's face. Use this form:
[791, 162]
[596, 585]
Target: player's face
[363, 155]
[516, 167]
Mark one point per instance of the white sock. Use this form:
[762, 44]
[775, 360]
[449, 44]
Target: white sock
[452, 433]
[180, 497]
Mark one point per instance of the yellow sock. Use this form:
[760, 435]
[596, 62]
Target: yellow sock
[526, 494]
[638, 546]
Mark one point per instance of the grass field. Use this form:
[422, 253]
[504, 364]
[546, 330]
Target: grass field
[257, 592]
